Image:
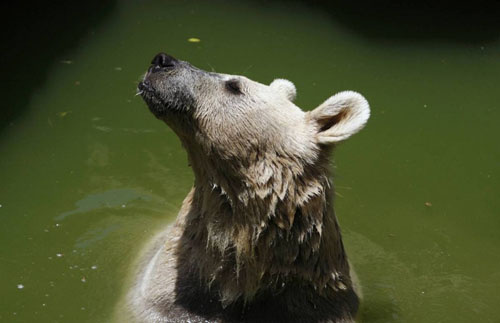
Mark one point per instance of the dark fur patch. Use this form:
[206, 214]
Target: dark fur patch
[160, 105]
[293, 303]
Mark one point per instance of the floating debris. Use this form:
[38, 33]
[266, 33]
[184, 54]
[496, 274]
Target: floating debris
[94, 267]
[20, 286]
[84, 279]
[63, 113]
[59, 255]
[428, 204]
[123, 205]
[77, 83]
[194, 40]
[118, 68]
[67, 62]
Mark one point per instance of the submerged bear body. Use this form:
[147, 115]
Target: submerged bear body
[256, 239]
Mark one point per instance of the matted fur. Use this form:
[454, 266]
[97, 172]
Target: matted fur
[256, 239]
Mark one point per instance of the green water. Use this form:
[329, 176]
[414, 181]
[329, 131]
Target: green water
[88, 174]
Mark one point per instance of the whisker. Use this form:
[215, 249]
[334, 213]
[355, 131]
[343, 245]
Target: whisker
[246, 69]
[213, 69]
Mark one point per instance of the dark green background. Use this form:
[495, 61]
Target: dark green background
[88, 173]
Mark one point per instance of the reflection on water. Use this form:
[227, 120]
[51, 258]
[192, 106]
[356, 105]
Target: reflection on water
[108, 199]
[89, 175]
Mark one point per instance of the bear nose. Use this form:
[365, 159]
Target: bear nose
[163, 60]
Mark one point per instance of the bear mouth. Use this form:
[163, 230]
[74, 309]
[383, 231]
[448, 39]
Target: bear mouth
[148, 92]
[153, 100]
[145, 88]
[162, 105]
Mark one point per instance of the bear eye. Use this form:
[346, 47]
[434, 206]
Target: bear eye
[233, 86]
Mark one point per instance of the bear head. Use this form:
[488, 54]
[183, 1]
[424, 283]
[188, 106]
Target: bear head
[233, 117]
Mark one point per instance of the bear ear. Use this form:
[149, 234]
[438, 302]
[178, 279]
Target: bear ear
[340, 117]
[285, 88]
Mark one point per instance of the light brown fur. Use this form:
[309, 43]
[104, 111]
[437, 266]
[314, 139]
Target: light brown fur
[258, 231]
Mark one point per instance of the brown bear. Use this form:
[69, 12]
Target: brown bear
[256, 239]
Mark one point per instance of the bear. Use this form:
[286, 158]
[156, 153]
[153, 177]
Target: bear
[256, 239]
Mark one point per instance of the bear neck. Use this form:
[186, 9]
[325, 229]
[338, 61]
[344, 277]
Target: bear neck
[264, 228]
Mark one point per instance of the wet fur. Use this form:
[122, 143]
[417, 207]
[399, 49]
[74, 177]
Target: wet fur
[256, 239]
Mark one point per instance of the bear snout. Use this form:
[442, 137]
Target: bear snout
[162, 62]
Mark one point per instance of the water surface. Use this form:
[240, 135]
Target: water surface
[88, 174]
